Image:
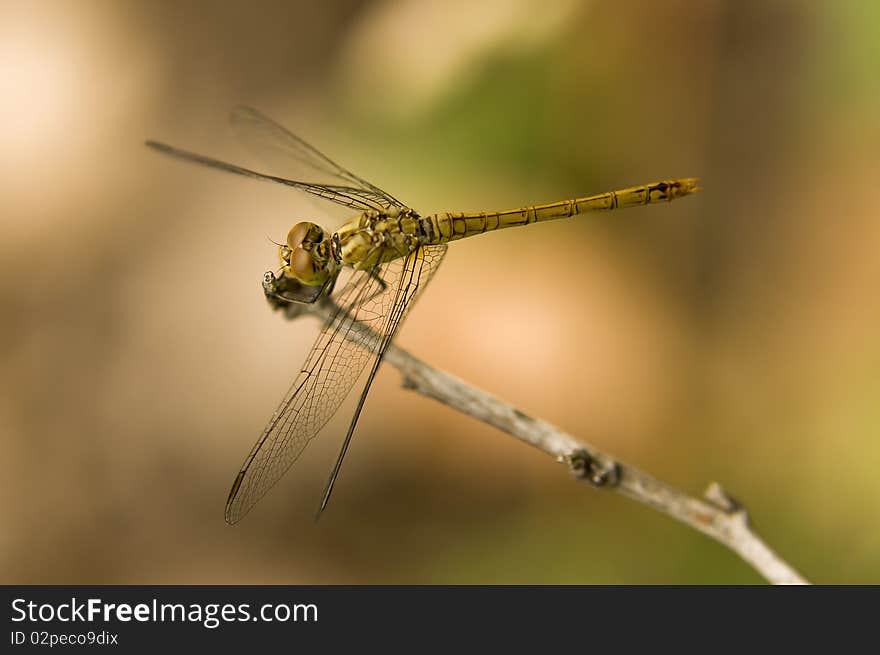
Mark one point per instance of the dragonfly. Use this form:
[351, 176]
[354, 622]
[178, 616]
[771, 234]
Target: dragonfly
[391, 251]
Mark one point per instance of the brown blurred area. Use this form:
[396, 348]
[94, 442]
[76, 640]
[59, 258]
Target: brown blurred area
[730, 336]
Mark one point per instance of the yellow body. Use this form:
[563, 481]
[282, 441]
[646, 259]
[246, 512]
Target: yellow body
[453, 226]
[378, 237]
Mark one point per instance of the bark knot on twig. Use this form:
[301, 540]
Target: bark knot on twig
[716, 495]
[598, 472]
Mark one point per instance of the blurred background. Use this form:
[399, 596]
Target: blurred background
[730, 336]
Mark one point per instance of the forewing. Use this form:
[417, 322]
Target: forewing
[358, 333]
[289, 154]
[352, 197]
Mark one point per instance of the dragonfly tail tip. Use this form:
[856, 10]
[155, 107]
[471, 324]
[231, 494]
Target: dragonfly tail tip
[690, 185]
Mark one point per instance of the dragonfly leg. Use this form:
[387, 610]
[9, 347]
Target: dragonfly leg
[284, 290]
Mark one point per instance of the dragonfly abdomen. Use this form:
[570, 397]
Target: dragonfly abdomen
[451, 226]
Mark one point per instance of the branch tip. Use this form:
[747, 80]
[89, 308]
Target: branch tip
[716, 495]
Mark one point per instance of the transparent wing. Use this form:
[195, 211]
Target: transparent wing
[352, 197]
[285, 152]
[358, 333]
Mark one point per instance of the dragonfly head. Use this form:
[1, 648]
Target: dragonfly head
[308, 254]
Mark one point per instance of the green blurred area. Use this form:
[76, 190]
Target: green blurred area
[731, 336]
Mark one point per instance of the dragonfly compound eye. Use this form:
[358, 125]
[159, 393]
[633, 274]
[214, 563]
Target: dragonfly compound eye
[304, 232]
[296, 235]
[305, 269]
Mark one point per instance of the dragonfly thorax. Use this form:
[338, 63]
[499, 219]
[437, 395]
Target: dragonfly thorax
[309, 254]
[376, 237]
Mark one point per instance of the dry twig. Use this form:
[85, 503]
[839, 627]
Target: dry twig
[716, 514]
